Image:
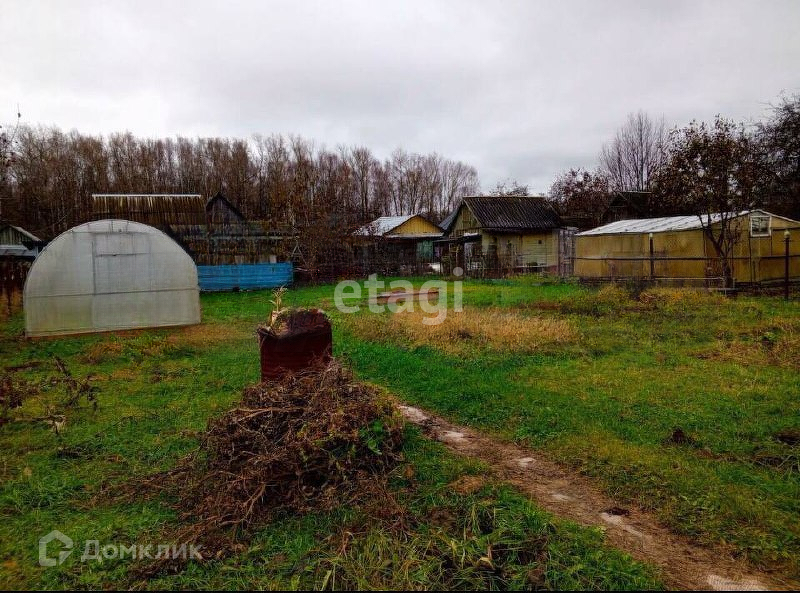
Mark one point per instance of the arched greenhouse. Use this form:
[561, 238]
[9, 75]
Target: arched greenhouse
[110, 275]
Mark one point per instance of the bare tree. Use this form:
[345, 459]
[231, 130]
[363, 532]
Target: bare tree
[635, 154]
[509, 187]
[362, 164]
[779, 139]
[458, 180]
[8, 139]
[297, 188]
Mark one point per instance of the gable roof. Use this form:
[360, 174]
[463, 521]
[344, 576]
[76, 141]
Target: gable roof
[21, 231]
[448, 221]
[512, 213]
[226, 203]
[384, 225]
[664, 224]
[17, 242]
[381, 226]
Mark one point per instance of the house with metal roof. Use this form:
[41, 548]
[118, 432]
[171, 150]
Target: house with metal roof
[678, 247]
[392, 244]
[506, 233]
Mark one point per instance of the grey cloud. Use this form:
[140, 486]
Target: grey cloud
[519, 89]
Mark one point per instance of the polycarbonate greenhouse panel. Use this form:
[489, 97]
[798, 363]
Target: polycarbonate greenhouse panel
[110, 275]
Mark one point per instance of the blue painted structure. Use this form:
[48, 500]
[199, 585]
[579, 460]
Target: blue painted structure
[244, 276]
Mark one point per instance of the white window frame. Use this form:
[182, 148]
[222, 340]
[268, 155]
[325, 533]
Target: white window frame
[760, 218]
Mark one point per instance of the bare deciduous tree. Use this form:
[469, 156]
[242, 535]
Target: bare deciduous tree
[779, 139]
[8, 137]
[458, 180]
[299, 189]
[509, 187]
[632, 158]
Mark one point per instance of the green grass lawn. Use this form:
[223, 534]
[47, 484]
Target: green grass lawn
[605, 397]
[726, 372]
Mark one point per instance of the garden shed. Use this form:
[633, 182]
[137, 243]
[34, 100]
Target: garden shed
[677, 247]
[231, 252]
[110, 275]
[391, 243]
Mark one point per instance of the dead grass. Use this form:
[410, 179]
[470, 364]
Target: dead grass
[466, 484]
[613, 299]
[10, 303]
[680, 300]
[208, 334]
[102, 352]
[124, 374]
[472, 329]
[138, 345]
[776, 344]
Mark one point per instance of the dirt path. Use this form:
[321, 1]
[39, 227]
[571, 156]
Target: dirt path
[567, 494]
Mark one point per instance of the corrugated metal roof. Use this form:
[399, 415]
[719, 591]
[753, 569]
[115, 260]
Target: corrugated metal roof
[386, 224]
[512, 213]
[656, 225]
[381, 226]
[449, 220]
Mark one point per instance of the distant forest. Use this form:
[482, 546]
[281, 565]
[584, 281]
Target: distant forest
[47, 176]
[290, 182]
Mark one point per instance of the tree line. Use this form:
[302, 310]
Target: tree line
[702, 167]
[720, 168]
[290, 182]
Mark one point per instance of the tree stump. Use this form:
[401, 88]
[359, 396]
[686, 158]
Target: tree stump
[297, 340]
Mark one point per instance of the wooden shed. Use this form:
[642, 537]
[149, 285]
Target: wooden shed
[230, 251]
[389, 243]
[17, 243]
[18, 248]
[682, 250]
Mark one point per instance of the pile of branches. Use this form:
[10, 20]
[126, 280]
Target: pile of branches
[314, 440]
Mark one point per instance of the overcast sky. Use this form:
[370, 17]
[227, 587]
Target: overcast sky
[520, 90]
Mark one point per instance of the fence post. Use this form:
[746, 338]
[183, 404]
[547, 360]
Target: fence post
[786, 265]
[652, 260]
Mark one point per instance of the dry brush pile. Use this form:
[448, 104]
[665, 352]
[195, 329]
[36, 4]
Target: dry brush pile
[315, 440]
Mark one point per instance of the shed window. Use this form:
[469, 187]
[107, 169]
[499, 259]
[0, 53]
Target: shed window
[759, 225]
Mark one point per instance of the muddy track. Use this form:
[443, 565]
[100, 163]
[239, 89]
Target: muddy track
[567, 494]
